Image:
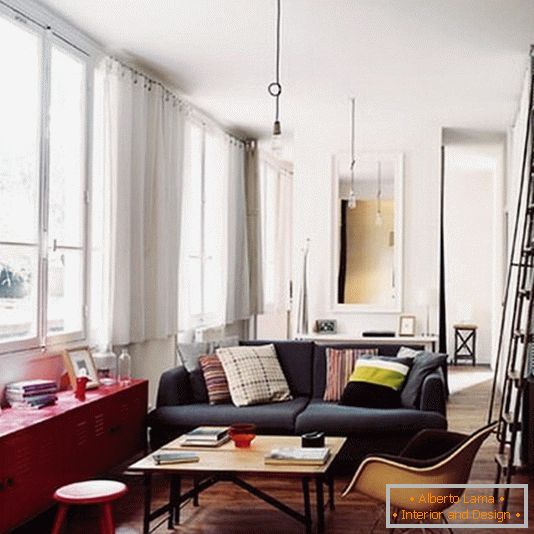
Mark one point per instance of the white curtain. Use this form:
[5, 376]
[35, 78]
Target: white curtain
[142, 138]
[238, 279]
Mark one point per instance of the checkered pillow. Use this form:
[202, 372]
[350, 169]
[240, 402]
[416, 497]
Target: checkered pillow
[254, 375]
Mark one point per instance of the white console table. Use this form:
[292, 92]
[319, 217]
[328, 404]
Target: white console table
[429, 342]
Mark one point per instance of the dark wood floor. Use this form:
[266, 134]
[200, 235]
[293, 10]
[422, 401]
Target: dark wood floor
[226, 509]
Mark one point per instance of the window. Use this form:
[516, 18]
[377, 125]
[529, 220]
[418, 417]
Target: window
[43, 132]
[203, 229]
[275, 206]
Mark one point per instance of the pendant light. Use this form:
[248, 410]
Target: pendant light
[352, 194]
[378, 218]
[275, 89]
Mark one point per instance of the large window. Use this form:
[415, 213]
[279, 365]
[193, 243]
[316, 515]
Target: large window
[202, 270]
[43, 132]
[275, 202]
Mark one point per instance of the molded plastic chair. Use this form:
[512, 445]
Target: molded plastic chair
[431, 457]
[101, 492]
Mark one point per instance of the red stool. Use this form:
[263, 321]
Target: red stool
[101, 492]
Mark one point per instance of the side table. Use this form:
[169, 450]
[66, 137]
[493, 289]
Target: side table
[465, 342]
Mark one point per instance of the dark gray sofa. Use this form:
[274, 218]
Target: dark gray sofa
[304, 365]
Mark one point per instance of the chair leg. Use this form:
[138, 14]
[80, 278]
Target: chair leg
[61, 514]
[106, 519]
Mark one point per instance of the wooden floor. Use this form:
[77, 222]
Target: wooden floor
[225, 509]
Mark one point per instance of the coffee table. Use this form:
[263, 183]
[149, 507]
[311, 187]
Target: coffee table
[228, 464]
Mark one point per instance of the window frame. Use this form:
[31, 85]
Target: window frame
[204, 318]
[38, 21]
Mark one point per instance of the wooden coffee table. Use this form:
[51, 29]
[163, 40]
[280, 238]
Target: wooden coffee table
[229, 464]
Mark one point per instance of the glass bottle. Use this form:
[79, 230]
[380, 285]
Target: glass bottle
[125, 368]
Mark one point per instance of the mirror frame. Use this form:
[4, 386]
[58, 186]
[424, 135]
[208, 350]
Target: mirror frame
[398, 160]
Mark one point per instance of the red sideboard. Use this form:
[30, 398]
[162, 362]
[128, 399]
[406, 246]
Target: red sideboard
[41, 450]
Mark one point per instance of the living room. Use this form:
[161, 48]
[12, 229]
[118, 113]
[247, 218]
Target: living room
[316, 186]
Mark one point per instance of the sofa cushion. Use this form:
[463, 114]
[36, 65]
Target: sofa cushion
[339, 366]
[296, 360]
[319, 359]
[216, 383]
[365, 394]
[423, 365]
[199, 392]
[190, 353]
[254, 375]
[337, 420]
[279, 416]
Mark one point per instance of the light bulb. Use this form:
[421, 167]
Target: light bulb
[378, 218]
[352, 199]
[276, 139]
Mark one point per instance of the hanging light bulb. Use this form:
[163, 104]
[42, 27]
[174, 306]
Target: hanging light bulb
[275, 89]
[378, 218]
[352, 194]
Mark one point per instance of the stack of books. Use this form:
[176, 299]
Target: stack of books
[298, 456]
[205, 436]
[31, 393]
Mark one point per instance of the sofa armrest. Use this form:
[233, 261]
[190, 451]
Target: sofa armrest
[433, 395]
[174, 388]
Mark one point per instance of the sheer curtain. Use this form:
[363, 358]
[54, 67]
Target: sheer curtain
[238, 279]
[142, 138]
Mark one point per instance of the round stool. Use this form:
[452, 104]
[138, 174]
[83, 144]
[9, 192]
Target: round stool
[101, 492]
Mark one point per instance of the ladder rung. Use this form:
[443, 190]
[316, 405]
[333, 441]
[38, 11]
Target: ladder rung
[527, 251]
[525, 293]
[519, 334]
[502, 459]
[530, 208]
[508, 418]
[514, 375]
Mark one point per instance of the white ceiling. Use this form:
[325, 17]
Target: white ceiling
[453, 62]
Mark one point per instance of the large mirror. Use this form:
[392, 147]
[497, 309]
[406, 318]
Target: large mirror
[367, 236]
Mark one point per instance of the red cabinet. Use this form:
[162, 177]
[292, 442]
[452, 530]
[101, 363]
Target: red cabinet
[41, 450]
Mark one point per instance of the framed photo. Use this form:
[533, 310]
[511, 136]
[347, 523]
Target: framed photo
[407, 325]
[78, 362]
[326, 326]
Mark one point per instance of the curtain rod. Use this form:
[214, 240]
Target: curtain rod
[190, 108]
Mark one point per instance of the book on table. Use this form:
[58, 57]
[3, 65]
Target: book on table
[162, 458]
[203, 436]
[298, 456]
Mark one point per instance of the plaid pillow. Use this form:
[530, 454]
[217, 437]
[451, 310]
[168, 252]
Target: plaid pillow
[339, 366]
[254, 375]
[216, 384]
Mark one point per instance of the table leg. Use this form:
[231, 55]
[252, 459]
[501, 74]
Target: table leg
[196, 495]
[148, 499]
[320, 503]
[331, 493]
[307, 505]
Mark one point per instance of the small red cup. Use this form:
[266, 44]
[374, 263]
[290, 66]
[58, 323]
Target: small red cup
[242, 434]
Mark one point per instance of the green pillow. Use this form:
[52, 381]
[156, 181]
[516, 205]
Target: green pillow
[385, 372]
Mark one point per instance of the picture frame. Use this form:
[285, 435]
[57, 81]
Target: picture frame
[326, 326]
[406, 326]
[77, 359]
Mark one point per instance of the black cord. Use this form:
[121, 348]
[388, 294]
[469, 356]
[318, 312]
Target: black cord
[274, 88]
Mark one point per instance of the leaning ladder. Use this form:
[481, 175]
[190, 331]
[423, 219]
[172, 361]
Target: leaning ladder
[520, 341]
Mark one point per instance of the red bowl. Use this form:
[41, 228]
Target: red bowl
[242, 434]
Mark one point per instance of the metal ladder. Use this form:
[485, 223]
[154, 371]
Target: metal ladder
[520, 341]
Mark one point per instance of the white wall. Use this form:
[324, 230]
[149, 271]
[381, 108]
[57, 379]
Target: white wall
[312, 211]
[474, 241]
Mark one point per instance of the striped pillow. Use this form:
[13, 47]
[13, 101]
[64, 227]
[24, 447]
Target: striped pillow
[339, 366]
[381, 372]
[216, 384]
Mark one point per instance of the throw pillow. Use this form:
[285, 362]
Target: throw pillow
[407, 352]
[423, 364]
[190, 353]
[339, 366]
[215, 379]
[254, 375]
[375, 383]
